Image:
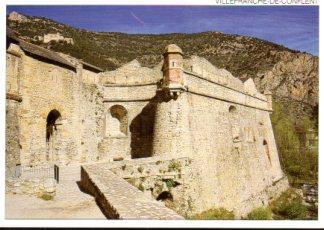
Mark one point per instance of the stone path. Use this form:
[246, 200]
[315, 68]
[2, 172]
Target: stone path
[120, 200]
[69, 202]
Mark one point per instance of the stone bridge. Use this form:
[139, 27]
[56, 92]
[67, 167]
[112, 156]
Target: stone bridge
[118, 199]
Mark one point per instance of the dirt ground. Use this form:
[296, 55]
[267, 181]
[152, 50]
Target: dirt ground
[31, 207]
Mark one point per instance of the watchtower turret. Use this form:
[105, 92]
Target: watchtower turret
[173, 70]
[171, 135]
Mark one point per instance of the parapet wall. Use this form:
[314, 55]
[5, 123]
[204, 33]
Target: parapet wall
[120, 200]
[214, 90]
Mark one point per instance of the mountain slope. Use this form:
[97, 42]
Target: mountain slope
[291, 75]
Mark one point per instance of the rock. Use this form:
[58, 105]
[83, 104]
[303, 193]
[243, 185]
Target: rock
[14, 16]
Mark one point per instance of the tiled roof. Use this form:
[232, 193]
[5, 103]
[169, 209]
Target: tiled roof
[45, 53]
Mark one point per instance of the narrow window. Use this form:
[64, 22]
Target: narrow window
[266, 150]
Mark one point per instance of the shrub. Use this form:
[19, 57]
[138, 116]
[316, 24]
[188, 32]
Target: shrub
[294, 210]
[261, 213]
[289, 206]
[214, 214]
[170, 183]
[297, 161]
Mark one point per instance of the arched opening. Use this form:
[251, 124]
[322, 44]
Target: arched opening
[232, 109]
[167, 198]
[163, 196]
[53, 139]
[52, 121]
[117, 121]
[266, 150]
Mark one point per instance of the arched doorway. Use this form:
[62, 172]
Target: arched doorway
[53, 136]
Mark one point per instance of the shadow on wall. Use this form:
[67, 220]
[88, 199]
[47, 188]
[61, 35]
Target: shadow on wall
[141, 129]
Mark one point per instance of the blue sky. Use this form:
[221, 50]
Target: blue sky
[295, 27]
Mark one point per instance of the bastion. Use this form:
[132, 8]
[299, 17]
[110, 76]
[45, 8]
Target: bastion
[183, 132]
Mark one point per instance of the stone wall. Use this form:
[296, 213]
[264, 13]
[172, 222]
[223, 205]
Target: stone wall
[12, 138]
[92, 118]
[133, 88]
[46, 86]
[13, 147]
[165, 179]
[32, 181]
[229, 152]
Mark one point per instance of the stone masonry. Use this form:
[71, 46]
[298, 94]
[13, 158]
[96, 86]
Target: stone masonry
[184, 132]
[120, 200]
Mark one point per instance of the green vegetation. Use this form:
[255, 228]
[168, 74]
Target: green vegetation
[289, 206]
[261, 213]
[174, 166]
[214, 214]
[170, 183]
[299, 162]
[46, 196]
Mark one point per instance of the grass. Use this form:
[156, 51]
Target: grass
[261, 213]
[214, 214]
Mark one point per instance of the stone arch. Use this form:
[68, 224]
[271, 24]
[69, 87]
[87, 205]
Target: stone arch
[117, 121]
[266, 150]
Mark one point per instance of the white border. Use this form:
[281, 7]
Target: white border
[137, 223]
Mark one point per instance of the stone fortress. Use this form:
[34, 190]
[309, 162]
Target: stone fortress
[184, 132]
